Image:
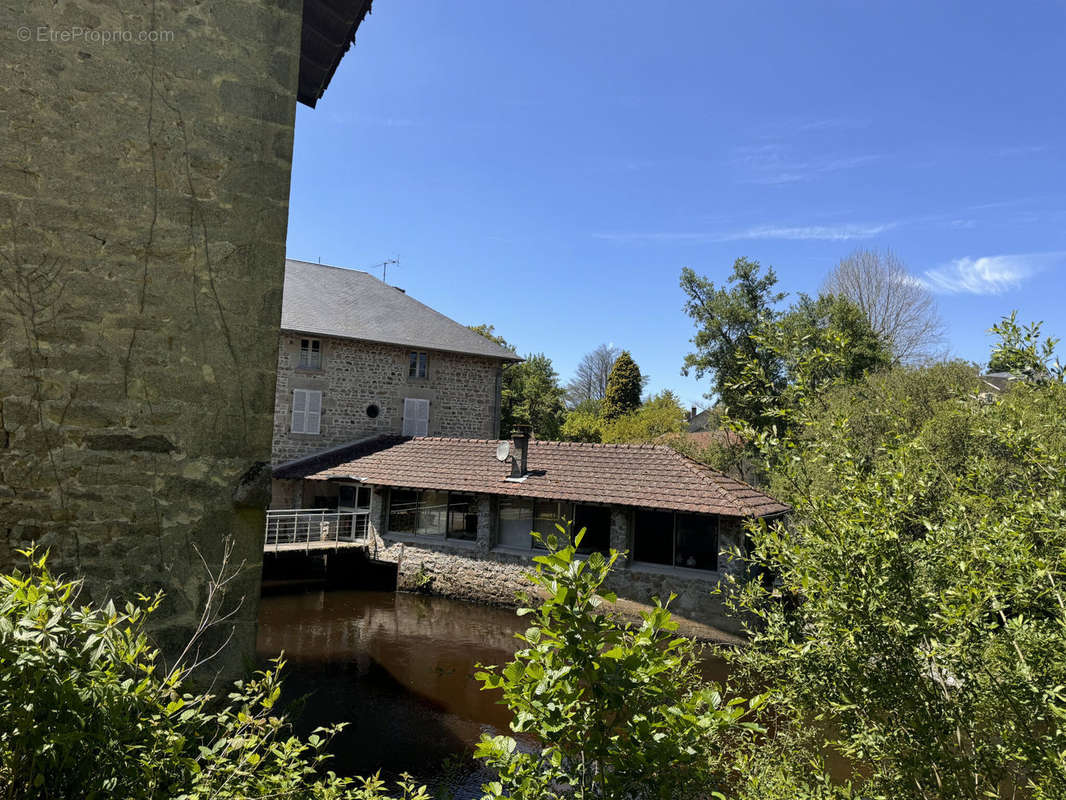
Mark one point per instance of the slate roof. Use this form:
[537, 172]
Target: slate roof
[333, 301]
[328, 31]
[642, 475]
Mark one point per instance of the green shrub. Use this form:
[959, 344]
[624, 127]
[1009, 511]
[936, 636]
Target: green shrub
[86, 711]
[619, 712]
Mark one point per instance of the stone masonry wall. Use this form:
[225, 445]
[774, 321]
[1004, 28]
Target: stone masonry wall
[145, 153]
[477, 572]
[462, 391]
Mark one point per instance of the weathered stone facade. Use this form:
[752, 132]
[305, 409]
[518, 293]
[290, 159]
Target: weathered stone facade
[143, 200]
[463, 393]
[479, 571]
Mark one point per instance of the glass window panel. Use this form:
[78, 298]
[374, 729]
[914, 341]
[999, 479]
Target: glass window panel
[549, 514]
[412, 368]
[363, 497]
[596, 520]
[346, 497]
[697, 541]
[516, 521]
[462, 517]
[432, 512]
[403, 510]
[653, 537]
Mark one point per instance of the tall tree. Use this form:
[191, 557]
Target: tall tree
[530, 391]
[623, 387]
[1020, 350]
[590, 378]
[899, 306]
[727, 319]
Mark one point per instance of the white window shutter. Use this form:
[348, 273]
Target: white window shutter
[415, 417]
[314, 412]
[299, 410]
[306, 411]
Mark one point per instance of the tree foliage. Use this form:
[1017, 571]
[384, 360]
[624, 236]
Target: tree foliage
[659, 415]
[726, 320]
[623, 387]
[900, 307]
[86, 711]
[911, 616]
[1021, 351]
[530, 393]
[620, 711]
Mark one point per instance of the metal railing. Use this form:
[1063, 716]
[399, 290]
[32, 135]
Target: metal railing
[314, 528]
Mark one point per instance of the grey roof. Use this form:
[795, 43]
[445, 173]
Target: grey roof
[333, 301]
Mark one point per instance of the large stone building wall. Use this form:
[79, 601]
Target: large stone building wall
[463, 393]
[145, 153]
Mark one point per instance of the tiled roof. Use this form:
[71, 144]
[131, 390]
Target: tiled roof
[643, 475]
[333, 301]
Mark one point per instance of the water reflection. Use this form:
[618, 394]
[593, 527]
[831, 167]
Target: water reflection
[399, 668]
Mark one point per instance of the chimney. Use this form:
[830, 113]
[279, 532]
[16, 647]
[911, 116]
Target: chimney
[520, 436]
[692, 415]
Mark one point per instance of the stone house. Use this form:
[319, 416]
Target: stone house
[145, 159]
[358, 357]
[458, 521]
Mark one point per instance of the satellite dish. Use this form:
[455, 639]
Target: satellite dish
[503, 450]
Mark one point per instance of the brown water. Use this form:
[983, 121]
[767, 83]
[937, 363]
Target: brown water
[399, 668]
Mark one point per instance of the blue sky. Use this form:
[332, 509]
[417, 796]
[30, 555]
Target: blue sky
[550, 167]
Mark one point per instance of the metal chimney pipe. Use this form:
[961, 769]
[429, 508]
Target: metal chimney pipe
[520, 435]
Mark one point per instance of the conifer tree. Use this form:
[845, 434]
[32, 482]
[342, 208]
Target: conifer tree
[623, 387]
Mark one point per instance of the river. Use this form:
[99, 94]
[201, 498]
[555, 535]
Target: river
[399, 669]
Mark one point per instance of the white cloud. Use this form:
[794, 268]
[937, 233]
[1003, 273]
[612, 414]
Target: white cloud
[989, 274]
[830, 233]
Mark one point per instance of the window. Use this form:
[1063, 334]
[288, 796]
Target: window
[433, 513]
[596, 520]
[462, 517]
[306, 411]
[310, 354]
[516, 521]
[678, 540]
[353, 497]
[418, 364]
[518, 516]
[415, 417]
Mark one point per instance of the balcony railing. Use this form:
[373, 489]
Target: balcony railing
[313, 528]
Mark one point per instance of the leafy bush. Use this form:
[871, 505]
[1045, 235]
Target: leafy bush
[86, 711]
[618, 712]
[913, 612]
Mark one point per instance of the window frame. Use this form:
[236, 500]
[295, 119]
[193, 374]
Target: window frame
[673, 565]
[417, 364]
[305, 412]
[313, 351]
[444, 535]
[533, 546]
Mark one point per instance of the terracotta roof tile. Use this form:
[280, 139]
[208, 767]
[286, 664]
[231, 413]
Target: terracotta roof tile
[644, 475]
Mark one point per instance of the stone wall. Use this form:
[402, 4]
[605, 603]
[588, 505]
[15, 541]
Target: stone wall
[463, 393]
[145, 153]
[479, 572]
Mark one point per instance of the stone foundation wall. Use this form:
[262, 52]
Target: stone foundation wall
[144, 187]
[478, 572]
[463, 394]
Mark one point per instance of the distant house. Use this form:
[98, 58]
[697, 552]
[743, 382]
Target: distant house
[457, 519]
[358, 357]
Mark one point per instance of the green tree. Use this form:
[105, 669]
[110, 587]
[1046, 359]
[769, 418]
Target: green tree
[87, 711]
[727, 319]
[659, 415]
[1021, 351]
[620, 711]
[911, 615]
[623, 387]
[530, 393]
